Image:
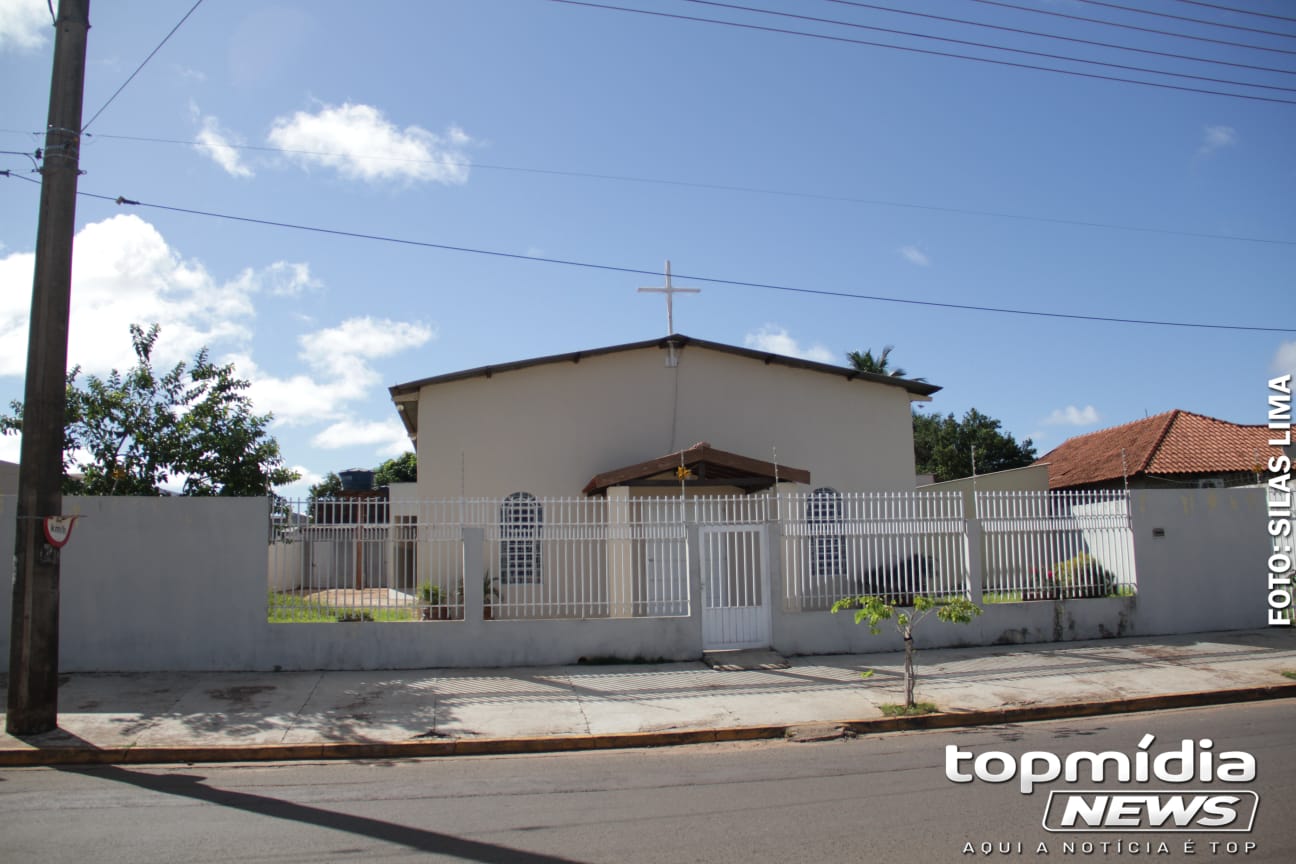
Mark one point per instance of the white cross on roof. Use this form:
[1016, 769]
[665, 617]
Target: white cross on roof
[670, 290]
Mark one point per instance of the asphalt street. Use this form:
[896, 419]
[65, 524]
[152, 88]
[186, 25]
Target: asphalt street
[876, 798]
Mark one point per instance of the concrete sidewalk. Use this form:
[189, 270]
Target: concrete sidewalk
[168, 716]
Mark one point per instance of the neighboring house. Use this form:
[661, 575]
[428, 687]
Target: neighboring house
[1174, 450]
[630, 415]
[8, 478]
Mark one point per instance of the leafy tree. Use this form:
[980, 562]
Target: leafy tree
[943, 446]
[329, 487]
[140, 429]
[879, 365]
[959, 610]
[401, 469]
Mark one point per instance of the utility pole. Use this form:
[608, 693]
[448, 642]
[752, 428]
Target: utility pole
[34, 631]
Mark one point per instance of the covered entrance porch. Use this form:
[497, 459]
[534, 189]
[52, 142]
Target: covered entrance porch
[733, 534]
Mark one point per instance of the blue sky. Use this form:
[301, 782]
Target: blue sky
[560, 131]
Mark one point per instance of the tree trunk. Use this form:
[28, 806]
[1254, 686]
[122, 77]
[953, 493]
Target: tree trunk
[909, 668]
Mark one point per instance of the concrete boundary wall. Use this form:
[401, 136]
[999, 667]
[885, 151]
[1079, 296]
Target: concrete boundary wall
[180, 584]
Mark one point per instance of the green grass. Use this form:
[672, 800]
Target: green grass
[292, 609]
[1001, 597]
[906, 711]
[1287, 673]
[1016, 596]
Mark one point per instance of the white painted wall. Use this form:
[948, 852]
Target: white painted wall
[548, 429]
[1208, 572]
[1030, 478]
[180, 584]
[1210, 569]
[158, 583]
[8, 478]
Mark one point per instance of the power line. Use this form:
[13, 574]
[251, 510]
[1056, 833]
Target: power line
[1237, 11]
[1204, 21]
[971, 44]
[736, 283]
[1152, 30]
[925, 51]
[142, 65]
[1073, 39]
[723, 187]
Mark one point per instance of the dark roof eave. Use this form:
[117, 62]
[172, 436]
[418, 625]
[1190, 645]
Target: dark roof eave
[917, 388]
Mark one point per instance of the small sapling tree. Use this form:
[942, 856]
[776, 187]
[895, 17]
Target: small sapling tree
[873, 610]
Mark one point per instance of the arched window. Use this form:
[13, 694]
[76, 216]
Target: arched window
[520, 518]
[824, 516]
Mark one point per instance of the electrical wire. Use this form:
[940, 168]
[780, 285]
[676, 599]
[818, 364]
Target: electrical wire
[34, 157]
[121, 200]
[723, 187]
[1204, 21]
[1122, 26]
[750, 190]
[971, 44]
[1072, 39]
[118, 91]
[924, 51]
[1236, 10]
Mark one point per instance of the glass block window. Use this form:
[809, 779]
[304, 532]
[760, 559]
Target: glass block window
[521, 516]
[824, 515]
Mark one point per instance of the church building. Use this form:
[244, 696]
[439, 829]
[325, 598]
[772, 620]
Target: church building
[736, 419]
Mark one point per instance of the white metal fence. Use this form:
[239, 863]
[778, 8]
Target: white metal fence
[895, 545]
[1055, 545]
[620, 557]
[541, 558]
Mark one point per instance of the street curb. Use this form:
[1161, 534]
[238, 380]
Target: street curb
[61, 756]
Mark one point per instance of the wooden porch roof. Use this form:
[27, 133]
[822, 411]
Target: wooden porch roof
[708, 466]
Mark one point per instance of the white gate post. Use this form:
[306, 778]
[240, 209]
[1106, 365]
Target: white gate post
[474, 566]
[620, 554]
[771, 562]
[693, 567]
[974, 549]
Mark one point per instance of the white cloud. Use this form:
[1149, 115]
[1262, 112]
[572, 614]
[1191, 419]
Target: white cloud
[361, 144]
[1215, 138]
[218, 144]
[125, 273]
[282, 279]
[1073, 416]
[389, 435]
[23, 24]
[1284, 359]
[299, 488]
[776, 340]
[914, 255]
[341, 373]
[10, 447]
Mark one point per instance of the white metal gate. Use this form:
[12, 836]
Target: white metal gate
[735, 586]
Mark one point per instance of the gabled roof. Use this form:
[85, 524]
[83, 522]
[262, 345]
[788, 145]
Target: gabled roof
[1175, 442]
[706, 465]
[406, 394]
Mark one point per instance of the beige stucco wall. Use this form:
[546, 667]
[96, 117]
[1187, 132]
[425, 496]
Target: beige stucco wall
[548, 429]
[8, 478]
[1031, 478]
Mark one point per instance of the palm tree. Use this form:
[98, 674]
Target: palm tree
[866, 362]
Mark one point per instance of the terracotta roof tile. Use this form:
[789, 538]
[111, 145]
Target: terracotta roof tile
[1176, 442]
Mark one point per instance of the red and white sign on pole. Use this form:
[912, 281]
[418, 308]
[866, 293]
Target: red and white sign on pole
[58, 530]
